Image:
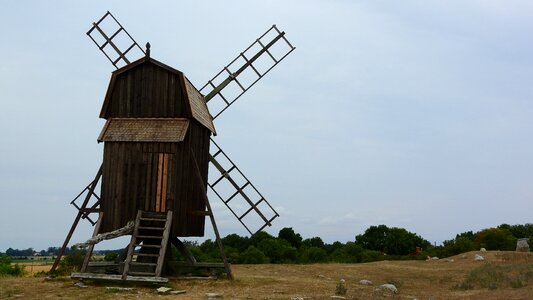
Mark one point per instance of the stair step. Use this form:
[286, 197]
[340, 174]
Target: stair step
[141, 273]
[148, 254]
[134, 263]
[149, 237]
[153, 219]
[148, 246]
[159, 236]
[151, 214]
[151, 228]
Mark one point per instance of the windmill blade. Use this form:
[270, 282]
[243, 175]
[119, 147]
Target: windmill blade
[239, 194]
[91, 200]
[113, 45]
[246, 69]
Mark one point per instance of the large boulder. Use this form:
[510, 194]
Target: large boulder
[522, 245]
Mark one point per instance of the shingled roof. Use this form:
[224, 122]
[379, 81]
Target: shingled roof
[144, 130]
[195, 100]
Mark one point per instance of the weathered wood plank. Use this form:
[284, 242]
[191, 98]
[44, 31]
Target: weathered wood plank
[118, 277]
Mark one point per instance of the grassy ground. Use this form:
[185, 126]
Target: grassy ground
[503, 275]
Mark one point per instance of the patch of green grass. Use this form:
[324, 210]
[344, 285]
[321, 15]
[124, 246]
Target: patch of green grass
[491, 276]
[112, 290]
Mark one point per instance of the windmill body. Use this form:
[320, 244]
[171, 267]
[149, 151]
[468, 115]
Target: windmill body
[158, 147]
[156, 136]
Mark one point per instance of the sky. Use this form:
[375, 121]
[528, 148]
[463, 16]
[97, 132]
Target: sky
[412, 114]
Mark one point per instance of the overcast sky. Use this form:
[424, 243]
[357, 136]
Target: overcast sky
[415, 114]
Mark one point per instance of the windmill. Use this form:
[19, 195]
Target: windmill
[158, 148]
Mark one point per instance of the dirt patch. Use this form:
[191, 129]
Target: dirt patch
[415, 279]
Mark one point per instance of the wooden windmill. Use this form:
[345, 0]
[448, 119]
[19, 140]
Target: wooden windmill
[157, 150]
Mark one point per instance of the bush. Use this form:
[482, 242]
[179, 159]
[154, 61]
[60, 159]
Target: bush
[495, 239]
[314, 255]
[460, 244]
[252, 255]
[11, 270]
[349, 253]
[371, 255]
[492, 277]
[288, 234]
[278, 250]
[393, 241]
[71, 263]
[111, 256]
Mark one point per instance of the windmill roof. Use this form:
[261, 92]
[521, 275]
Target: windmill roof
[196, 103]
[144, 130]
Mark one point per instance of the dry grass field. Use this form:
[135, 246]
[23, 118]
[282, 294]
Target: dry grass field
[503, 275]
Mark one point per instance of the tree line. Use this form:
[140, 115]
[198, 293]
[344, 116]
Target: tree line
[376, 243]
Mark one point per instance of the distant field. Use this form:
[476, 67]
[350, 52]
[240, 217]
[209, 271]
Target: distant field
[503, 275]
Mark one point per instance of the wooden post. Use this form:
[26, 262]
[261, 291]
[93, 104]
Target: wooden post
[164, 244]
[183, 250]
[200, 182]
[77, 219]
[131, 247]
[91, 247]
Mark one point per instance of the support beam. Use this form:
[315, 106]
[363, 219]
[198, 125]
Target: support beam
[77, 219]
[91, 246]
[203, 193]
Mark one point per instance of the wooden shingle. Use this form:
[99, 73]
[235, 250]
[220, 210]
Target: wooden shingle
[170, 130]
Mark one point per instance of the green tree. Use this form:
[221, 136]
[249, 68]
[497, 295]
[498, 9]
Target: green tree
[330, 248]
[238, 242]
[288, 234]
[252, 255]
[394, 241]
[258, 237]
[374, 238]
[314, 255]
[456, 246]
[495, 239]
[278, 250]
[349, 253]
[209, 251]
[313, 242]
[520, 230]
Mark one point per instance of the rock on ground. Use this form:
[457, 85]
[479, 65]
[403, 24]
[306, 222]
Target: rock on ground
[522, 245]
[163, 289]
[389, 287]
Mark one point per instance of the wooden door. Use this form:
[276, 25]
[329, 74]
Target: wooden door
[162, 178]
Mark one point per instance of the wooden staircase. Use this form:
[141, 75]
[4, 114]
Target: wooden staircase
[151, 235]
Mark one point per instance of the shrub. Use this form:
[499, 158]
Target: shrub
[314, 255]
[371, 255]
[495, 239]
[278, 250]
[6, 268]
[288, 234]
[349, 253]
[252, 255]
[492, 277]
[71, 263]
[340, 289]
[111, 256]
[394, 241]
